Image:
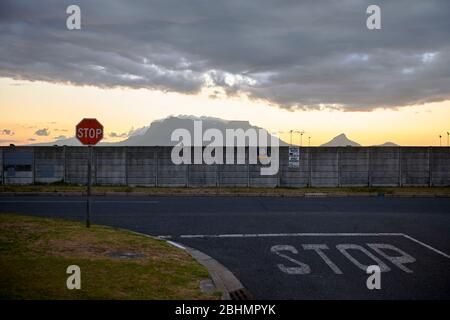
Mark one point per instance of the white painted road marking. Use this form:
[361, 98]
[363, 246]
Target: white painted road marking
[427, 246]
[318, 248]
[264, 235]
[338, 234]
[344, 249]
[302, 268]
[399, 260]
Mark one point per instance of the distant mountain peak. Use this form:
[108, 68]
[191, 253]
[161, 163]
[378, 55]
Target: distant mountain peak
[388, 144]
[159, 132]
[341, 141]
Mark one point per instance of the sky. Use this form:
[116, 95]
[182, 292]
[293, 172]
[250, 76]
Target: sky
[310, 66]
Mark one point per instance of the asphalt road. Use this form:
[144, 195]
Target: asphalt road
[290, 248]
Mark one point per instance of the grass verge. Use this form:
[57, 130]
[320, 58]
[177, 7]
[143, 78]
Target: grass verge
[35, 253]
[60, 187]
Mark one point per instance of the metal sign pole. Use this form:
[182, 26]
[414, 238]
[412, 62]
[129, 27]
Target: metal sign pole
[88, 202]
[89, 132]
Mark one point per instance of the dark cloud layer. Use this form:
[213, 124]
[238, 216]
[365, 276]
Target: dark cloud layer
[118, 135]
[6, 132]
[294, 54]
[42, 132]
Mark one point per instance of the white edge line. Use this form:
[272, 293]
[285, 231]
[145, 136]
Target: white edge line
[427, 246]
[266, 235]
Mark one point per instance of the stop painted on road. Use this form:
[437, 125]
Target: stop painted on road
[330, 266]
[399, 259]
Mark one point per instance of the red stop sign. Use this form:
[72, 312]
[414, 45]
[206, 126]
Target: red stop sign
[89, 131]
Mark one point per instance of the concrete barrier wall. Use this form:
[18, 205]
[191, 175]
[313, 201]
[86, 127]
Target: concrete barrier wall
[440, 167]
[353, 167]
[152, 166]
[295, 177]
[384, 167]
[18, 165]
[141, 166]
[110, 166]
[324, 167]
[416, 167]
[76, 165]
[48, 164]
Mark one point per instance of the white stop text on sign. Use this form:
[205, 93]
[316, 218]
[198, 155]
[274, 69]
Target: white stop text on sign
[89, 133]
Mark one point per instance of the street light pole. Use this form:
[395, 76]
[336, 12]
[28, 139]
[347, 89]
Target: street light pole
[440, 140]
[309, 141]
[448, 136]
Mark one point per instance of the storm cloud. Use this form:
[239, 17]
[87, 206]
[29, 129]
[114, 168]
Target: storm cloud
[290, 54]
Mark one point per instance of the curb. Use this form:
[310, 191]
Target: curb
[223, 279]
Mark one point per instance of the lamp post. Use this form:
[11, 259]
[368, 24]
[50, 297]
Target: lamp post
[440, 140]
[448, 138]
[309, 141]
[291, 132]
